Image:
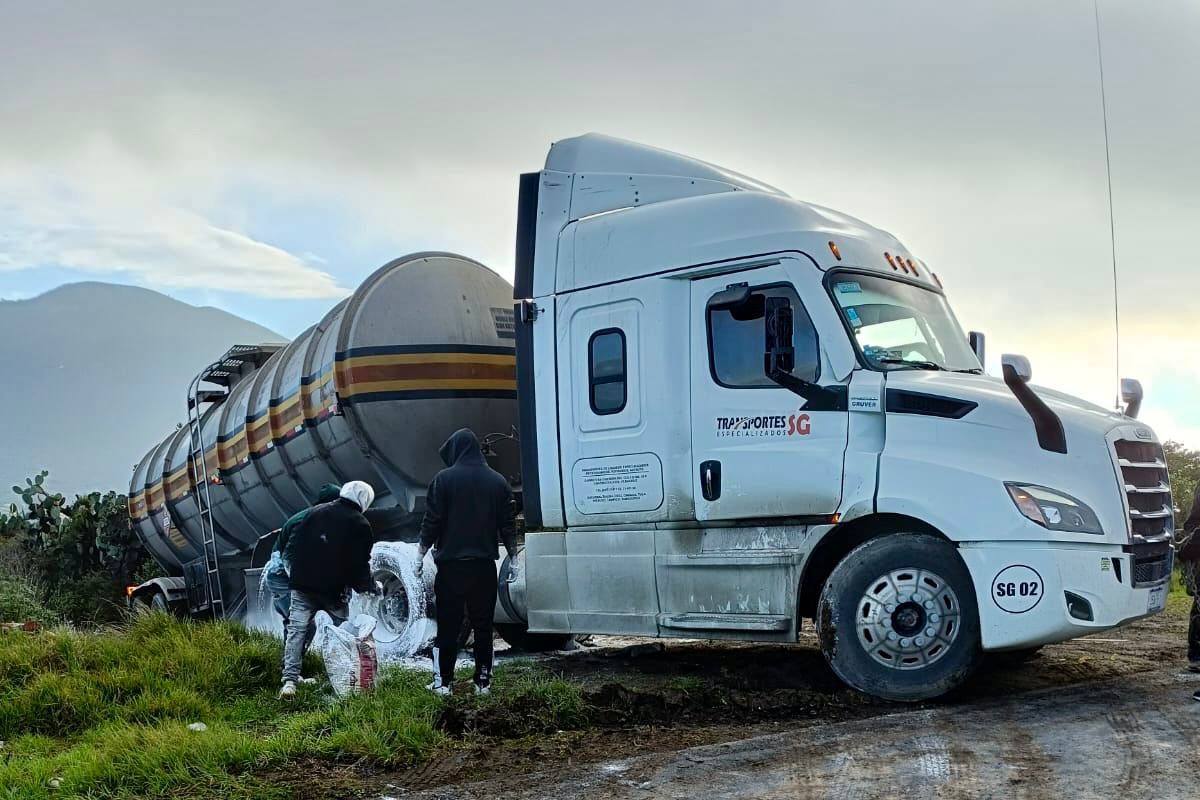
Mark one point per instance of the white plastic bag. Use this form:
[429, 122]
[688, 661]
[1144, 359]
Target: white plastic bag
[351, 661]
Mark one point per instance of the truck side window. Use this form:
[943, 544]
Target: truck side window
[606, 371]
[736, 340]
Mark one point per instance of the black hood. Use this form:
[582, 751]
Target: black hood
[462, 448]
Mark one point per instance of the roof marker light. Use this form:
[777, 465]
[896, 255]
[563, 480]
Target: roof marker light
[891, 263]
[913, 267]
[937, 280]
[833, 248]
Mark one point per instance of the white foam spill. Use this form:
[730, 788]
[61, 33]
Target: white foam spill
[273, 565]
[401, 643]
[400, 640]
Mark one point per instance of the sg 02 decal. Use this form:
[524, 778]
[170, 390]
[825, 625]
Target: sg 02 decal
[1017, 589]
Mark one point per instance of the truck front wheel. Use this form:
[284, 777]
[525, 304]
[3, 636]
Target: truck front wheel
[898, 618]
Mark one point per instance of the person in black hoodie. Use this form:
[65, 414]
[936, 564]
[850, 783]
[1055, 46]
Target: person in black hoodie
[469, 510]
[329, 553]
[1189, 561]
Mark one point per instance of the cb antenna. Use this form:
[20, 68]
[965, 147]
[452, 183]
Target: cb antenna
[1112, 228]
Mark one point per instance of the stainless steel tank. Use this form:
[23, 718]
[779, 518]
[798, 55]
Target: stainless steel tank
[423, 347]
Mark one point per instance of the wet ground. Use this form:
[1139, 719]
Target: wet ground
[1109, 716]
[1114, 739]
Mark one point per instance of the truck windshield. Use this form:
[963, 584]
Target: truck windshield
[898, 325]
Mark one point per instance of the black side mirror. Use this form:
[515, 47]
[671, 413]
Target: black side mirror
[733, 296]
[1131, 396]
[977, 342]
[779, 353]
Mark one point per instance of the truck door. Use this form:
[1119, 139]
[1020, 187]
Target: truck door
[759, 450]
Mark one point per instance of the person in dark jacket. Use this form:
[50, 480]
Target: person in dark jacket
[469, 511]
[1189, 559]
[329, 553]
[277, 580]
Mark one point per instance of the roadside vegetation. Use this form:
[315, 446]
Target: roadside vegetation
[105, 714]
[67, 560]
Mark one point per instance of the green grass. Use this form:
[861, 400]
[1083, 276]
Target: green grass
[105, 714]
[688, 684]
[19, 603]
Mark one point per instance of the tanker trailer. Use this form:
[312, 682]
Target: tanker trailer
[423, 347]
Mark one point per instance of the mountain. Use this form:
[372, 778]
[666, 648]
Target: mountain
[93, 374]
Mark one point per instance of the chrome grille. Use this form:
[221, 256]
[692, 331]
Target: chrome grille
[1144, 473]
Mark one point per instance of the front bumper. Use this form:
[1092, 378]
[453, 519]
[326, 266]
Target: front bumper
[1032, 593]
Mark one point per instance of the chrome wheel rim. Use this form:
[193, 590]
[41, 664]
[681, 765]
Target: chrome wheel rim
[908, 619]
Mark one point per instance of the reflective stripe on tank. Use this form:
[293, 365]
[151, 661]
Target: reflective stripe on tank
[286, 420]
[416, 372]
[370, 374]
[233, 453]
[137, 506]
[154, 496]
[178, 484]
[258, 433]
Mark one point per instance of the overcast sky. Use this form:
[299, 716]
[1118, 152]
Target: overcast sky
[265, 158]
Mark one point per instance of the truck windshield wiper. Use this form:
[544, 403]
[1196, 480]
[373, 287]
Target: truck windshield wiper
[971, 371]
[913, 364]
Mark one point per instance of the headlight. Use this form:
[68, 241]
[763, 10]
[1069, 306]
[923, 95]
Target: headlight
[1053, 510]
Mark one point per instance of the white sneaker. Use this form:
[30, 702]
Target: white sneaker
[288, 692]
[308, 681]
[444, 690]
[483, 689]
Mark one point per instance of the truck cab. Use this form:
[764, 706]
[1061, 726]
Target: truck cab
[742, 413]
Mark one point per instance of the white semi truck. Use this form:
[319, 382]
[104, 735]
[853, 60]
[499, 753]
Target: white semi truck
[739, 414]
[741, 411]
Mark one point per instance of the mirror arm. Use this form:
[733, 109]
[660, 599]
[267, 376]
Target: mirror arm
[819, 398]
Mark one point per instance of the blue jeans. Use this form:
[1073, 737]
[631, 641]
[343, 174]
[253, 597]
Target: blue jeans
[281, 595]
[303, 607]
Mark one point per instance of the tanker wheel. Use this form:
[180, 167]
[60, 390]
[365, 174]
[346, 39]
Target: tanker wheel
[519, 638]
[151, 602]
[898, 618]
[158, 603]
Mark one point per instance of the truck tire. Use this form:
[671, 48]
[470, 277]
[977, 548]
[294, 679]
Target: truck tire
[151, 602]
[898, 618]
[519, 638]
[158, 603]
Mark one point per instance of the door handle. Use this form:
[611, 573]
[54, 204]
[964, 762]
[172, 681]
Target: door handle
[710, 479]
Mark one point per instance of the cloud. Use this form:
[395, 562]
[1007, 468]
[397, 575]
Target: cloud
[126, 234]
[970, 130]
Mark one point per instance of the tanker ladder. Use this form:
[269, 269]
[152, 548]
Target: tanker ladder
[236, 363]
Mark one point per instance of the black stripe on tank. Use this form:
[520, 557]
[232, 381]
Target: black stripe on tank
[432, 349]
[305, 380]
[430, 394]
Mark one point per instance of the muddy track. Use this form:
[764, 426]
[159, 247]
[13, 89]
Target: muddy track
[650, 700]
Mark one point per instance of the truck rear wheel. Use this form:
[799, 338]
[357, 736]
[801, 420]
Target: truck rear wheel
[898, 618]
[519, 638]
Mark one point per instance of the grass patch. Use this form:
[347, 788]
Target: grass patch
[525, 700]
[105, 714]
[19, 603]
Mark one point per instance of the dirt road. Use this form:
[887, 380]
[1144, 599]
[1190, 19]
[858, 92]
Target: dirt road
[1108, 716]
[1113, 739]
